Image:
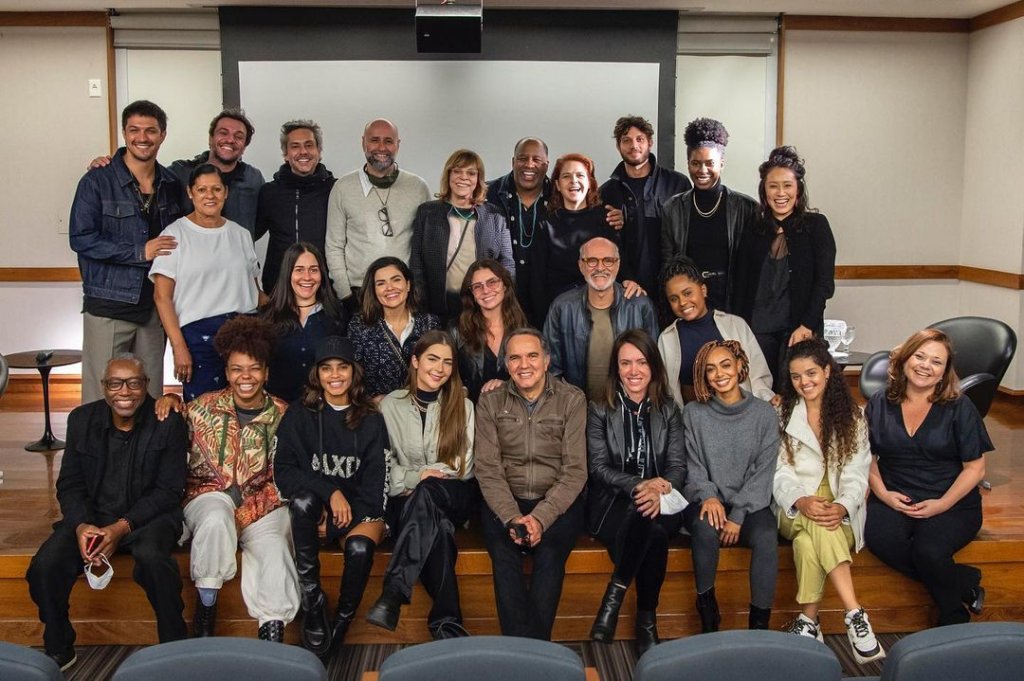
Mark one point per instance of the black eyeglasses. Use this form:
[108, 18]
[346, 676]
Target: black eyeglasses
[385, 221]
[608, 263]
[115, 384]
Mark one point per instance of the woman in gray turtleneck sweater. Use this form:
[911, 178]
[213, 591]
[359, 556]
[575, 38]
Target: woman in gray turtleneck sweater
[732, 442]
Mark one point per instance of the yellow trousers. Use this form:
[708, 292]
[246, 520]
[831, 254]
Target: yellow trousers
[816, 550]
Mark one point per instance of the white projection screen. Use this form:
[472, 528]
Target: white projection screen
[440, 106]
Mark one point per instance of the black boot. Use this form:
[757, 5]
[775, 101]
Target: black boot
[759, 617]
[358, 561]
[608, 613]
[707, 608]
[272, 631]
[316, 623]
[386, 610]
[203, 619]
[646, 631]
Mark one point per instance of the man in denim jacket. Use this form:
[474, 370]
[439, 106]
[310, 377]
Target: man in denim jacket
[117, 216]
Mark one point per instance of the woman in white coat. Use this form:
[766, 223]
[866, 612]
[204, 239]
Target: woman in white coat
[694, 325]
[820, 487]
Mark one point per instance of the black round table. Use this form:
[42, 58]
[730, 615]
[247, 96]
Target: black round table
[41, 362]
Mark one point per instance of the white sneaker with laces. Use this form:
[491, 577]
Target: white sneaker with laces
[805, 626]
[862, 638]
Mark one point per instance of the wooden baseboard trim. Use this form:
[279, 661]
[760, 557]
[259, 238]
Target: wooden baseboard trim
[811, 22]
[1000, 15]
[42, 19]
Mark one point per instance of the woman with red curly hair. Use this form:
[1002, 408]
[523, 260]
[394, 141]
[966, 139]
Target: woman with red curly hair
[575, 216]
[929, 445]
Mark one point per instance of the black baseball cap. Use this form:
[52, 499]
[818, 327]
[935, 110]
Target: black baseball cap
[335, 347]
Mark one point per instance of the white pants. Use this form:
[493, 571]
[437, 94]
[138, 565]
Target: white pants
[270, 586]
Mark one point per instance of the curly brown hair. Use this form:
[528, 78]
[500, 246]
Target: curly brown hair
[623, 125]
[948, 388]
[701, 387]
[248, 335]
[841, 418]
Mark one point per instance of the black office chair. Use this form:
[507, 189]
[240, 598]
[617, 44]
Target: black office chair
[874, 373]
[5, 374]
[982, 351]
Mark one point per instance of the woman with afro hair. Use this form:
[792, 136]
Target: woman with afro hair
[231, 501]
[708, 221]
[786, 264]
[821, 481]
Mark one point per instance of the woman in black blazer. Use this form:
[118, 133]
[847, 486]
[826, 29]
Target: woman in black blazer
[637, 465]
[452, 232]
[786, 263]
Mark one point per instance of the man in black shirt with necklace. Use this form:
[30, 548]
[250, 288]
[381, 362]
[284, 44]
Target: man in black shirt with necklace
[120, 488]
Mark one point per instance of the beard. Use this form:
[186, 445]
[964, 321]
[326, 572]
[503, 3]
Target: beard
[380, 162]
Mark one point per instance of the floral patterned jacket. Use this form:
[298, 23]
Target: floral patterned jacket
[222, 454]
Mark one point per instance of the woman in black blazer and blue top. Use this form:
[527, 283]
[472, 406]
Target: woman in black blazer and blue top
[636, 459]
[449, 234]
[786, 263]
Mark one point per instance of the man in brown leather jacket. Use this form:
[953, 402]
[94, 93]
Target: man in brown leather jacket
[531, 463]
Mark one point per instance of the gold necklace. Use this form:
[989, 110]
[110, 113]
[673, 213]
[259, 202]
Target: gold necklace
[714, 208]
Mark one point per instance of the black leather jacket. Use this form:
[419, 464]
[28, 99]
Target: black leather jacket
[606, 455]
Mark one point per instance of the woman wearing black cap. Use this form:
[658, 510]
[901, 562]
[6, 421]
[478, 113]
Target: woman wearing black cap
[330, 464]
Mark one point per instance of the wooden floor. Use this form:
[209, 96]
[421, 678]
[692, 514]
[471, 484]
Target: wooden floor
[121, 614]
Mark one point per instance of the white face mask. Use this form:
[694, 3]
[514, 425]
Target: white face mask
[99, 581]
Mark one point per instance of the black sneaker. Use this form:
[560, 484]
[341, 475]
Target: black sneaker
[65, 659]
[272, 631]
[447, 628]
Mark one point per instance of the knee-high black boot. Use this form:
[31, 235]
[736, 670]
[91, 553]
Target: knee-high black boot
[358, 561]
[316, 624]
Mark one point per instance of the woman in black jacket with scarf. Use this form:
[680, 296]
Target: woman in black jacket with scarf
[330, 464]
[786, 263]
[637, 465]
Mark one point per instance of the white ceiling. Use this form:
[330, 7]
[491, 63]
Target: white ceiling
[956, 9]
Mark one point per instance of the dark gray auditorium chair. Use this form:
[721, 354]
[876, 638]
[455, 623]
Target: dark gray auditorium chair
[484, 658]
[739, 655]
[20, 663]
[978, 651]
[222, 658]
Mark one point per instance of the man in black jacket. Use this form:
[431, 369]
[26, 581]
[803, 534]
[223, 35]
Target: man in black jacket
[294, 206]
[638, 187]
[120, 488]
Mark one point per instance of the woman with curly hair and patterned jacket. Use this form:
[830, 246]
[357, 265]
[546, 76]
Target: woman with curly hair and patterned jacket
[821, 481]
[231, 501]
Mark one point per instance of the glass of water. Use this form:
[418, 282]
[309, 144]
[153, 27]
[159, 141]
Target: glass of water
[833, 336]
[849, 335]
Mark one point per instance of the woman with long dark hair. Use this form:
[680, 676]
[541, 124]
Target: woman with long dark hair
[331, 466]
[787, 263]
[304, 311]
[732, 444]
[388, 325]
[453, 231]
[636, 461]
[821, 480]
[490, 309]
[929, 445]
[430, 424]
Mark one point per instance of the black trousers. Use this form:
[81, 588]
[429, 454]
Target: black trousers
[759, 532]
[775, 347]
[58, 563]
[425, 542]
[639, 548]
[923, 550]
[527, 607]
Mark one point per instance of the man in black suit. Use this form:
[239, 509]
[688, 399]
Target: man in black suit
[120, 488]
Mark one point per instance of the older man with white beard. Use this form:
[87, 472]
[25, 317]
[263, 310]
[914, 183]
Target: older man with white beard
[583, 322]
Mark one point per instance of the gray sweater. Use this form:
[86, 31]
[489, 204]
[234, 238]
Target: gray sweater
[731, 452]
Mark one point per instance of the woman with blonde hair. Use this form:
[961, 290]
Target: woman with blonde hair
[929, 445]
[430, 424]
[455, 230]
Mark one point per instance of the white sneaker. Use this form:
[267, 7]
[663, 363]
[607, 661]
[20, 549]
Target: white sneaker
[862, 638]
[805, 626]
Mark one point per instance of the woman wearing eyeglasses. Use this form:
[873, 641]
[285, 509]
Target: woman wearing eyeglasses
[455, 230]
[489, 310]
[388, 325]
[707, 222]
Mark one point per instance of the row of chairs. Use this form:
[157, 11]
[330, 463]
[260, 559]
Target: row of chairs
[983, 651]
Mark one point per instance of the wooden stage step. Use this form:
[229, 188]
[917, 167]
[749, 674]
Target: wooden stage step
[121, 614]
